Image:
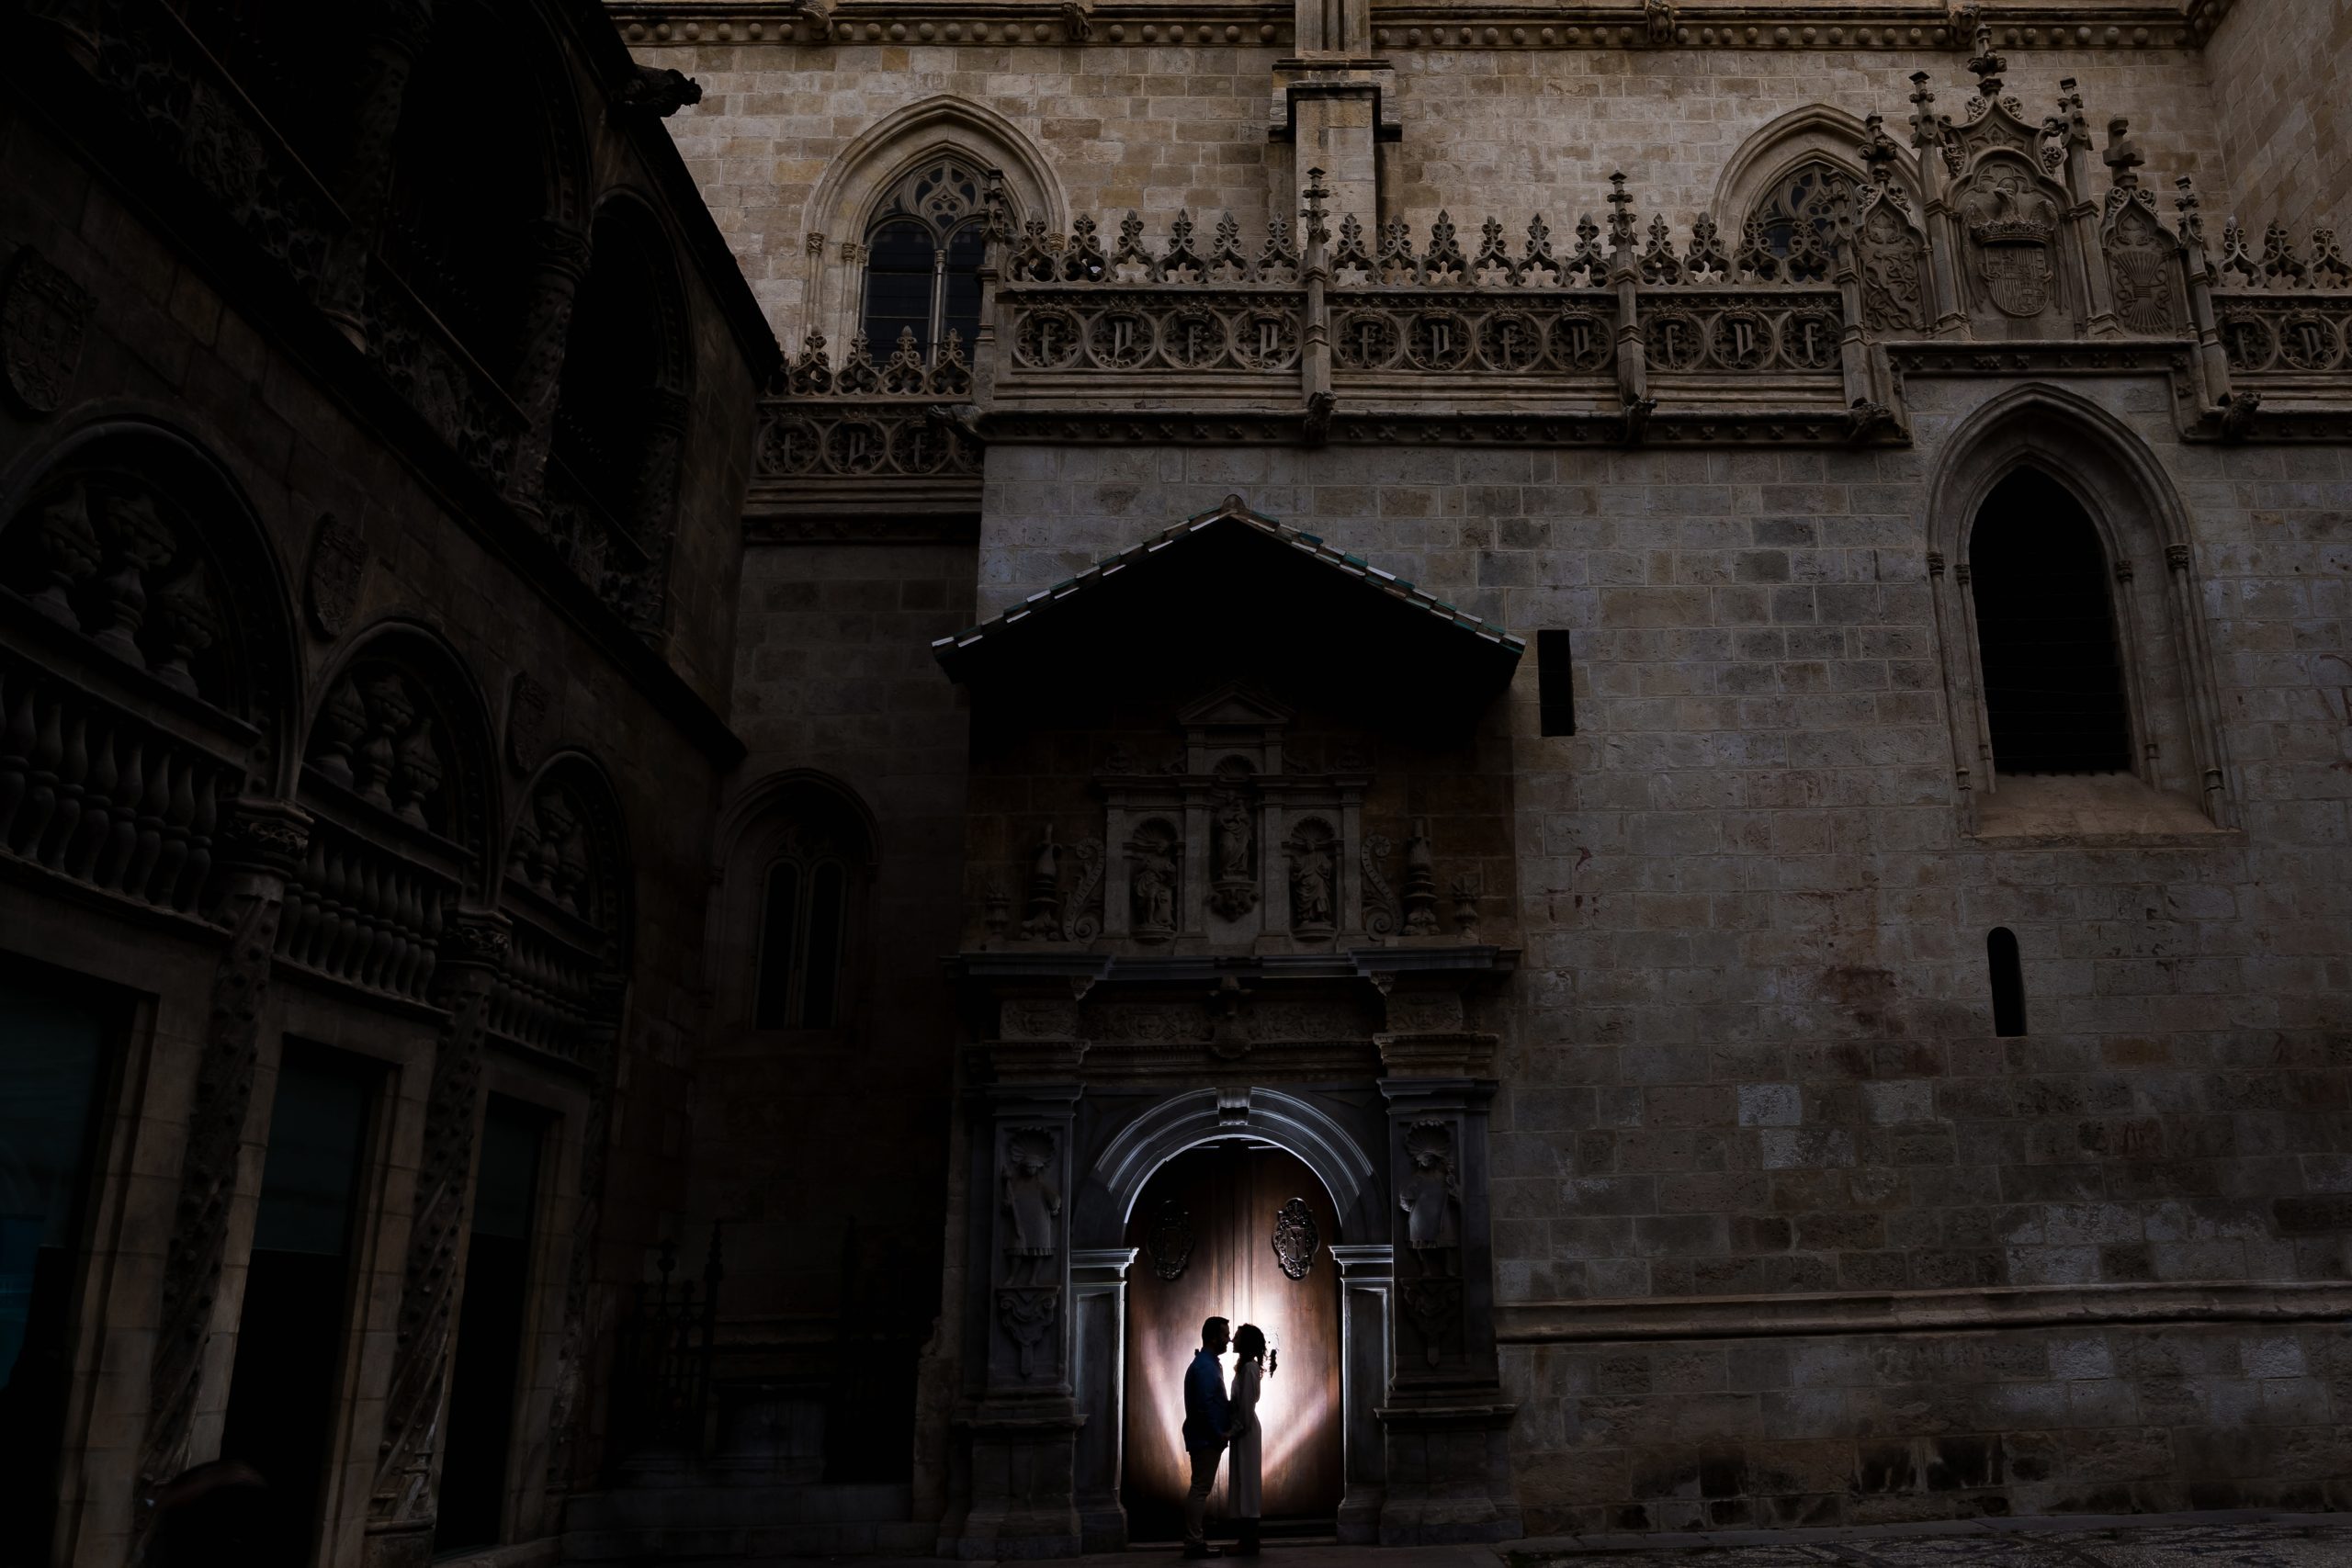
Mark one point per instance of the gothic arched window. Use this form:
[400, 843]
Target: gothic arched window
[804, 921]
[2045, 629]
[923, 247]
[1801, 202]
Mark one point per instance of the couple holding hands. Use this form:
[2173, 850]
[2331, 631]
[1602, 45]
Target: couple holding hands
[1213, 1418]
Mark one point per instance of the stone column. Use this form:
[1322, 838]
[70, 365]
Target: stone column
[561, 263]
[1022, 1426]
[655, 514]
[1446, 1419]
[1098, 1283]
[260, 848]
[398, 32]
[403, 1506]
[1367, 1282]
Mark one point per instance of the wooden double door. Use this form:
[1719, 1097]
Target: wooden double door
[1206, 1229]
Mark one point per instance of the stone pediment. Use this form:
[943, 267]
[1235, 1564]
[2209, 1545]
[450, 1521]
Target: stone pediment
[1234, 705]
[1230, 584]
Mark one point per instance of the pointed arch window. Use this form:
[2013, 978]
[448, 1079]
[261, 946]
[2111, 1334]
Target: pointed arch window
[2041, 587]
[1801, 204]
[804, 919]
[923, 249]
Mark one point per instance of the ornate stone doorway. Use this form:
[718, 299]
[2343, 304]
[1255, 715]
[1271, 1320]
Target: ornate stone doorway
[1236, 1230]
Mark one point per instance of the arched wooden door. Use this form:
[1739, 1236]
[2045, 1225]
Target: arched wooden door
[1205, 1227]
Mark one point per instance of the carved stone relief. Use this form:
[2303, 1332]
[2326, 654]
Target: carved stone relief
[1234, 852]
[526, 723]
[116, 559]
[2139, 257]
[1314, 851]
[1170, 1240]
[1028, 1313]
[375, 739]
[1295, 1238]
[44, 315]
[2012, 229]
[1430, 1191]
[1155, 858]
[1033, 1205]
[339, 554]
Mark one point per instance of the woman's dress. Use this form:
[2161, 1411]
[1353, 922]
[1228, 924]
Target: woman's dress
[1247, 1452]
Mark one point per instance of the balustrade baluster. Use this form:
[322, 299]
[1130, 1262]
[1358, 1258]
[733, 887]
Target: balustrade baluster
[199, 843]
[73, 769]
[129, 790]
[41, 795]
[189, 775]
[17, 740]
[157, 768]
[80, 858]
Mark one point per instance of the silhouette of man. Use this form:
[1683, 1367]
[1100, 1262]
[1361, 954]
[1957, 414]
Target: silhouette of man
[1207, 1424]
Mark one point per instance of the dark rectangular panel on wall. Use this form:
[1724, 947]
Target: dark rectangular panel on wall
[51, 1056]
[290, 1340]
[1555, 682]
[491, 1329]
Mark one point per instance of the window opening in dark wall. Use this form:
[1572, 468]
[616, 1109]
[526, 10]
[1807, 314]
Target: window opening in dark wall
[2008, 981]
[2046, 630]
[491, 1319]
[801, 931]
[282, 1394]
[1554, 684]
[51, 1051]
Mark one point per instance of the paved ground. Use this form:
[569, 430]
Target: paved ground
[2184, 1541]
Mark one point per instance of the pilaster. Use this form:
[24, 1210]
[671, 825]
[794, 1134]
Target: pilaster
[1367, 1289]
[1099, 1324]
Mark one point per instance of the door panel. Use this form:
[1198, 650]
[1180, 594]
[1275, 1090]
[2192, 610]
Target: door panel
[1229, 1196]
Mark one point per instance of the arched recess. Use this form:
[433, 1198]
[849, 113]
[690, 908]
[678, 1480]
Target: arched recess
[773, 843]
[1776, 151]
[620, 415]
[148, 663]
[846, 198]
[491, 147]
[568, 887]
[398, 781]
[2143, 528]
[1107, 1195]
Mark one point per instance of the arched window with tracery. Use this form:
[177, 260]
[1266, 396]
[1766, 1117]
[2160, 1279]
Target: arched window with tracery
[804, 916]
[923, 248]
[2042, 586]
[1797, 214]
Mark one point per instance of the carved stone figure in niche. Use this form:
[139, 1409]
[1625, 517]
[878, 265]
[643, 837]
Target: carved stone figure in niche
[1153, 855]
[1313, 880]
[1033, 1202]
[1430, 1195]
[1233, 839]
[2010, 225]
[104, 555]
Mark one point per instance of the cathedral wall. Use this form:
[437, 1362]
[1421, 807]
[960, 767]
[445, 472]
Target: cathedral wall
[825, 1151]
[1750, 1053]
[1507, 133]
[2277, 67]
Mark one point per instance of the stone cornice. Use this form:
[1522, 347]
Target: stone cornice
[1429, 24]
[1913, 1312]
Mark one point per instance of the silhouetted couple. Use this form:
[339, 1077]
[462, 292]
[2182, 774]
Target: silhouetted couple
[1214, 1418]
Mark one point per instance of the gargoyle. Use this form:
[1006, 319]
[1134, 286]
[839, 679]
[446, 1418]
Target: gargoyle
[659, 91]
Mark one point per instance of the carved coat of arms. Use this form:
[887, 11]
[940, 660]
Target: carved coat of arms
[338, 565]
[1170, 1240]
[44, 315]
[1295, 1238]
[2011, 224]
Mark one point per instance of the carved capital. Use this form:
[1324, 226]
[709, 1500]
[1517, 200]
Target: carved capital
[2177, 557]
[264, 834]
[478, 939]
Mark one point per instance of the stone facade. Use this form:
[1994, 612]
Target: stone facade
[1782, 1225]
[1419, 595]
